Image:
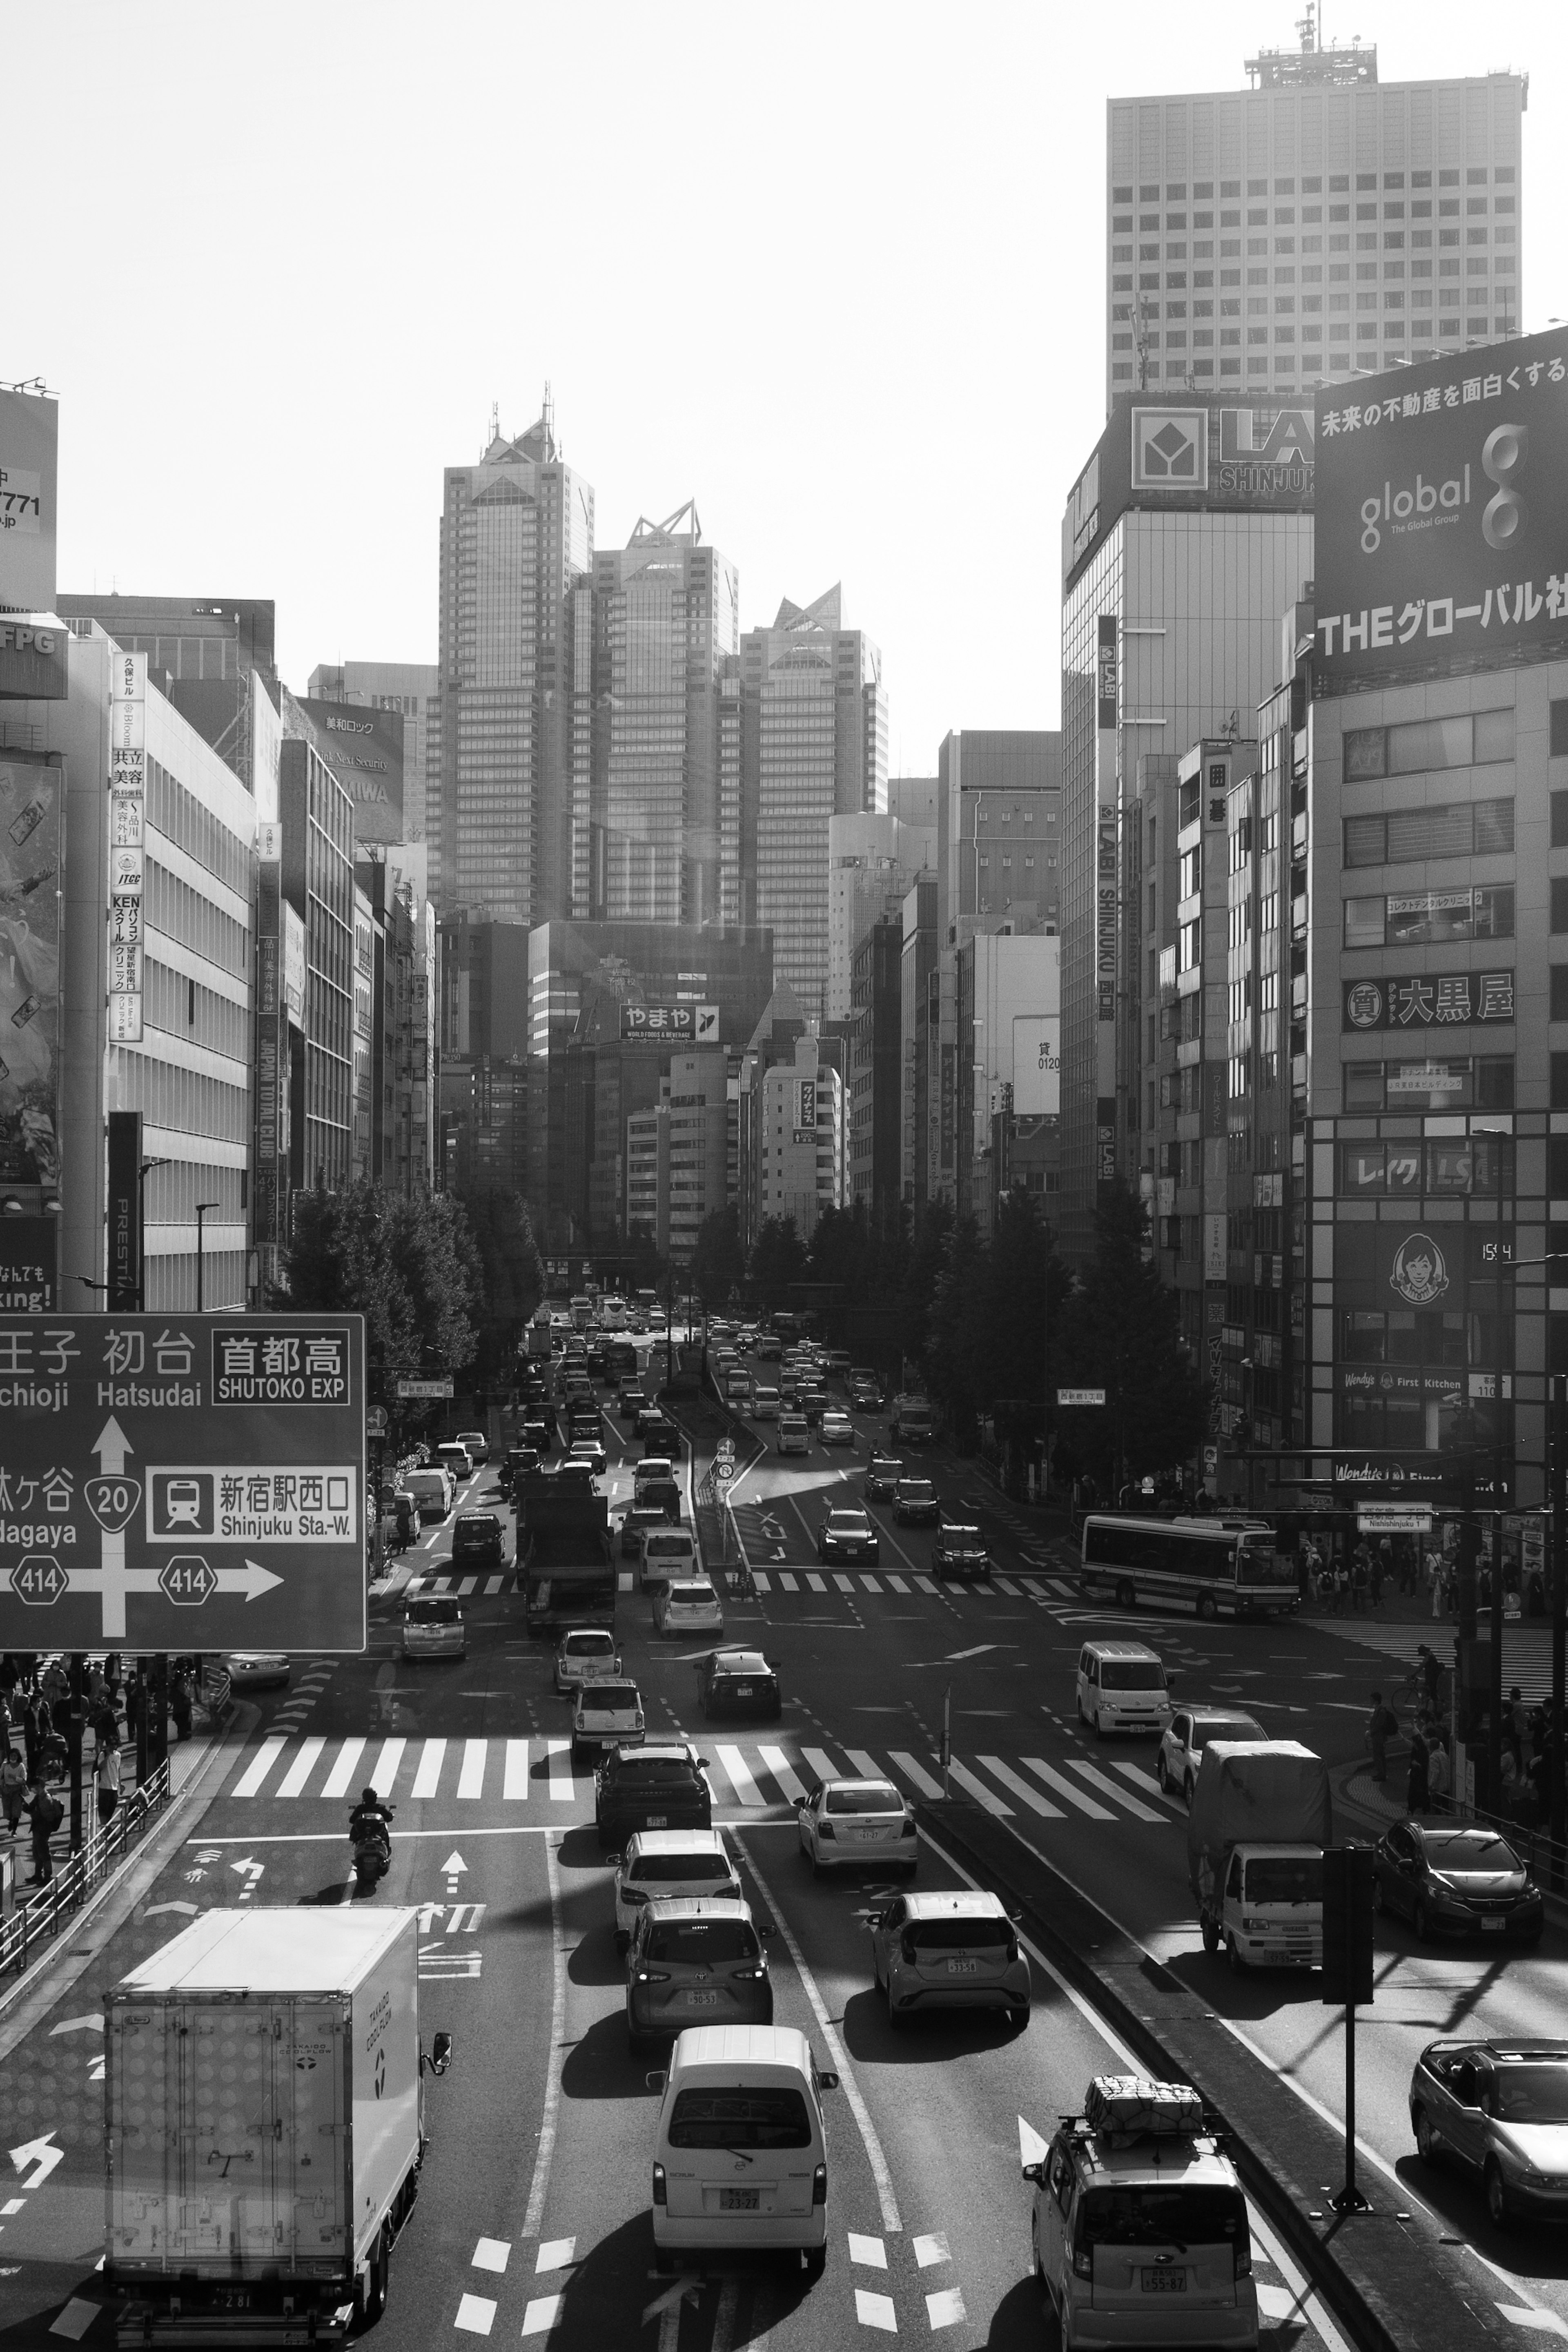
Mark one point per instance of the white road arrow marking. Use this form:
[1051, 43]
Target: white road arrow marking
[156, 1910]
[251, 1870]
[455, 1868]
[93, 2024]
[1032, 2149]
[39, 2152]
[112, 1446]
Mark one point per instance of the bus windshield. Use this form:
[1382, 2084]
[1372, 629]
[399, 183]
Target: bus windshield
[1259, 1563]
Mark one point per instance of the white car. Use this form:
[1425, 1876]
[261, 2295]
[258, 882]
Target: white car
[687, 1606]
[858, 1824]
[660, 1863]
[1188, 1732]
[589, 1450]
[433, 1626]
[837, 1429]
[256, 1670]
[476, 1443]
[607, 1715]
[585, 1654]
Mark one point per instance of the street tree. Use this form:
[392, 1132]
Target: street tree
[718, 1258]
[1122, 1333]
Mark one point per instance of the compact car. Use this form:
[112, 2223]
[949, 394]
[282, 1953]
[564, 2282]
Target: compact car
[739, 1681]
[837, 1429]
[953, 1951]
[607, 1715]
[1187, 1734]
[1456, 1882]
[687, 1605]
[959, 1551]
[695, 1960]
[585, 1654]
[857, 1825]
[433, 1626]
[1501, 2110]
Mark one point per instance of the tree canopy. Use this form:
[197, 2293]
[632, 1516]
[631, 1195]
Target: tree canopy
[408, 1265]
[1122, 1333]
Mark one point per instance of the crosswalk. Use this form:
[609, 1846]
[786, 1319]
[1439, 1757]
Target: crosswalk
[1526, 1649]
[753, 1778]
[805, 1582]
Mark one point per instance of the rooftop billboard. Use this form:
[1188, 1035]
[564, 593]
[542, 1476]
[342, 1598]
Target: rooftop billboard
[1186, 452]
[29, 445]
[364, 748]
[1442, 512]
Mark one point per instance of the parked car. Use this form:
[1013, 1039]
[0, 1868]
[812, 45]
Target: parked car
[478, 1541]
[1501, 2108]
[915, 1503]
[959, 1551]
[433, 1626]
[1185, 1738]
[857, 1824]
[882, 1473]
[848, 1535]
[662, 1787]
[585, 1654]
[953, 1950]
[695, 1960]
[739, 1681]
[607, 1715]
[837, 1429]
[1456, 1882]
[690, 1606]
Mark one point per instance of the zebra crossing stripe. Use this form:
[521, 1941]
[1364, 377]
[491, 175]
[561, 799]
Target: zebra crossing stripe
[844, 1583]
[260, 1765]
[1142, 1780]
[866, 1765]
[821, 1763]
[788, 1581]
[1003, 1586]
[910, 1770]
[517, 1782]
[467, 1584]
[471, 1780]
[760, 1578]
[494, 1583]
[298, 1773]
[739, 1771]
[870, 1584]
[1020, 1787]
[898, 1583]
[560, 1754]
[815, 1583]
[777, 1763]
[1064, 1788]
[428, 1775]
[925, 1583]
[387, 1763]
[337, 1778]
[979, 1790]
[1091, 1774]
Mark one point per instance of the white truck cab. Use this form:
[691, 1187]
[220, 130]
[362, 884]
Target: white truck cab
[1261, 1818]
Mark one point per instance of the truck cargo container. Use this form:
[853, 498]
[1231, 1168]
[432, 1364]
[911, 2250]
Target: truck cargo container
[563, 1552]
[1261, 1815]
[264, 2106]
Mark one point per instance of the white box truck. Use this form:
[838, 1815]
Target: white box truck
[263, 2126]
[1260, 1821]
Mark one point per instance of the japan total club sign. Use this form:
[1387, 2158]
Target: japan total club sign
[1442, 512]
[181, 1482]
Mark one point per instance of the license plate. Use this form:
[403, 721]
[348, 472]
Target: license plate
[1492, 1926]
[743, 1690]
[1165, 2282]
[657, 1821]
[738, 2200]
[963, 1968]
[860, 1837]
[703, 2000]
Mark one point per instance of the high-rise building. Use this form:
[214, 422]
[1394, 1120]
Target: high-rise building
[876, 1089]
[799, 1120]
[1318, 225]
[409, 688]
[681, 1151]
[208, 656]
[872, 862]
[998, 825]
[808, 737]
[663, 613]
[517, 540]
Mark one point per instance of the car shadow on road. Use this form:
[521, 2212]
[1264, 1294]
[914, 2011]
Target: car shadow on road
[596, 1960]
[606, 2295]
[1530, 2250]
[1021, 2322]
[601, 2064]
[934, 2040]
[580, 1850]
[1253, 1994]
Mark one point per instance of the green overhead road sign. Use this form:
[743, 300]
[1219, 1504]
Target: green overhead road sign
[171, 1482]
[1079, 1396]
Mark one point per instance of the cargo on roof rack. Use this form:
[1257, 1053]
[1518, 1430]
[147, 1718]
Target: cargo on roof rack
[1131, 2107]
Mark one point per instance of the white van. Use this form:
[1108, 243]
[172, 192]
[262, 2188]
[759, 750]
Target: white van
[740, 2160]
[652, 1467]
[455, 1459]
[1121, 1687]
[666, 1552]
[433, 1490]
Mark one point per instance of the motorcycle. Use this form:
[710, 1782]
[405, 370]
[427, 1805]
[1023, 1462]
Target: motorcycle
[372, 1854]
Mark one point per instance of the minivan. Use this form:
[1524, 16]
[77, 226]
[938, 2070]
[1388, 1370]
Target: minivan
[740, 2158]
[794, 1433]
[1121, 1687]
[652, 1470]
[455, 1459]
[666, 1552]
[432, 1491]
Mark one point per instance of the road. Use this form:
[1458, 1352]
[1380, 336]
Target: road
[533, 2219]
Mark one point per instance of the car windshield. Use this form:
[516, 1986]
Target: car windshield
[849, 1523]
[1132, 1674]
[679, 1869]
[959, 1935]
[666, 1547]
[961, 1535]
[1153, 2215]
[868, 1797]
[1468, 1850]
[757, 2118]
[702, 1943]
[589, 1645]
[609, 1698]
[915, 1490]
[1285, 1878]
[439, 1609]
[1218, 1726]
[1531, 2095]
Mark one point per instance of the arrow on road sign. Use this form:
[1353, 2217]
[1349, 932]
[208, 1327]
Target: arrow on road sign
[112, 1446]
[113, 1579]
[41, 2153]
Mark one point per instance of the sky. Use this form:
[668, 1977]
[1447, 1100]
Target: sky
[804, 266]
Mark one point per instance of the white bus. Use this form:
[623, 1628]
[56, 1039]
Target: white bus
[582, 1311]
[1210, 1566]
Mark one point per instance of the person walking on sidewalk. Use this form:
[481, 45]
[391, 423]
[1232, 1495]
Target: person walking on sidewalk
[1439, 1774]
[1381, 1726]
[44, 1813]
[108, 1779]
[1418, 1792]
[1431, 1675]
[13, 1788]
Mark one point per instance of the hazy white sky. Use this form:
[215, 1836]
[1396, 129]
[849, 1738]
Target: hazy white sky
[278, 262]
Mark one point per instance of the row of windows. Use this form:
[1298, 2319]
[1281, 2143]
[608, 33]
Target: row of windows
[1406, 1336]
[1483, 1081]
[1421, 241]
[1468, 740]
[173, 1002]
[1461, 829]
[182, 1100]
[196, 829]
[1176, 191]
[1433, 918]
[182, 913]
[1285, 215]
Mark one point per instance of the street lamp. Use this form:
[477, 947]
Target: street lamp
[203, 1208]
[1247, 1429]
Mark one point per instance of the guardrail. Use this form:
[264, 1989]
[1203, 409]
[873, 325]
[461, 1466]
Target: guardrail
[36, 1923]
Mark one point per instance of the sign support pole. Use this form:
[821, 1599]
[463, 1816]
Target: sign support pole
[1559, 1787]
[1350, 2199]
[73, 1747]
[947, 1739]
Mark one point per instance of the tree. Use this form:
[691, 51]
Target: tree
[512, 1274]
[778, 1261]
[718, 1260]
[408, 1265]
[924, 1265]
[1122, 1333]
[957, 1341]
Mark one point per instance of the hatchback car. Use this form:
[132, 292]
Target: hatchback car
[589, 1450]
[695, 1960]
[848, 1535]
[477, 1443]
[633, 1400]
[915, 1503]
[1456, 1882]
[960, 1551]
[1502, 2110]
[856, 1825]
[256, 1670]
[455, 1460]
[607, 1715]
[585, 1654]
[953, 1950]
[1185, 1738]
[837, 1429]
[882, 1473]
[635, 1521]
[478, 1541]
[687, 1605]
[663, 1862]
[739, 1681]
[865, 1392]
[662, 1787]
[433, 1626]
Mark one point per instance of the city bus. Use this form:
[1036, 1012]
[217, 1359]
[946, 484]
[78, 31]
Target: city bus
[1212, 1567]
[582, 1311]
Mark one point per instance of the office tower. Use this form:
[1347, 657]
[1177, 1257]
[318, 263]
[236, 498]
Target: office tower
[872, 862]
[1317, 226]
[998, 828]
[1176, 567]
[681, 1151]
[517, 539]
[409, 688]
[204, 655]
[809, 736]
[799, 1119]
[664, 616]
[877, 1074]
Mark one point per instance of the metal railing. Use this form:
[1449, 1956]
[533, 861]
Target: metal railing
[1542, 1857]
[37, 1922]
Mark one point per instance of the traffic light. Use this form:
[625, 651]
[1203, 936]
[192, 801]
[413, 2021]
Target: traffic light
[1348, 1924]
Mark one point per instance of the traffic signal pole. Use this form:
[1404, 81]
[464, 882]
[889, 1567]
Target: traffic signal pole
[1347, 1978]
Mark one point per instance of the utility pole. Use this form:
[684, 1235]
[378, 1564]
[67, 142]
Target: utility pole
[1559, 1784]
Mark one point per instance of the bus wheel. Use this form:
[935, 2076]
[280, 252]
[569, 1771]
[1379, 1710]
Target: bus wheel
[1127, 1597]
[1206, 1605]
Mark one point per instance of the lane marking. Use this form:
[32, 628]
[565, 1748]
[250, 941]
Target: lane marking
[429, 1772]
[298, 1773]
[386, 1764]
[560, 1783]
[910, 1770]
[471, 1780]
[760, 1578]
[542, 2159]
[1020, 1787]
[849, 2086]
[259, 1766]
[777, 1763]
[1065, 1788]
[516, 1783]
[789, 1582]
[739, 1771]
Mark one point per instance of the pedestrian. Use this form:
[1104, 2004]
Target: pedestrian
[1381, 1726]
[32, 1736]
[1431, 1675]
[1416, 1793]
[13, 1788]
[95, 1686]
[44, 1813]
[1360, 1574]
[1381, 1570]
[107, 1777]
[181, 1699]
[1439, 1775]
[56, 1684]
[1440, 1589]
[1517, 1719]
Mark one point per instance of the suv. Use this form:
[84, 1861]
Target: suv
[1136, 2199]
[882, 1473]
[662, 1787]
[915, 1503]
[478, 1541]
[959, 1551]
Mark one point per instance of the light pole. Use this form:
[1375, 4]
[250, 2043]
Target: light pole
[203, 1208]
[1247, 1420]
[143, 1173]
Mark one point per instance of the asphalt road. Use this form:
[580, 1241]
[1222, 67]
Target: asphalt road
[533, 2218]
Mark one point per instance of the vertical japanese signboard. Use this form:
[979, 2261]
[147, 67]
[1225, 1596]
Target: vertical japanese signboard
[806, 1111]
[124, 1211]
[171, 1483]
[127, 818]
[1107, 702]
[31, 794]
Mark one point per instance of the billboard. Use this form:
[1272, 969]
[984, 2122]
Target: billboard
[29, 448]
[363, 746]
[805, 1128]
[670, 1024]
[182, 1484]
[31, 792]
[1186, 452]
[1037, 1065]
[1424, 1000]
[1442, 512]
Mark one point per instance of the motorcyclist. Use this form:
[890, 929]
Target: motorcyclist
[372, 1820]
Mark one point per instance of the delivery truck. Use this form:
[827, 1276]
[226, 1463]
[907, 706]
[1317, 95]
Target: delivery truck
[264, 2085]
[1260, 1821]
[568, 1574]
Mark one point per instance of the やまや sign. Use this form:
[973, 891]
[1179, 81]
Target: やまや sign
[181, 1482]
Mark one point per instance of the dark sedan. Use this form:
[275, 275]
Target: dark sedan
[848, 1535]
[657, 1786]
[915, 1503]
[959, 1551]
[813, 1403]
[739, 1681]
[882, 1473]
[1456, 1882]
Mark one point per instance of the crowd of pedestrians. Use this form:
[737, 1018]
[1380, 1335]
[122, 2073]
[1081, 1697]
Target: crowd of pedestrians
[35, 1696]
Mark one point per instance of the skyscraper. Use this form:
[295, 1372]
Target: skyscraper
[665, 614]
[517, 539]
[809, 738]
[1249, 231]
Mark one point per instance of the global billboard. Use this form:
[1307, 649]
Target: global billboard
[1442, 512]
[1186, 452]
[30, 809]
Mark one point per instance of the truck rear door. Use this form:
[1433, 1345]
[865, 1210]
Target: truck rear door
[312, 2152]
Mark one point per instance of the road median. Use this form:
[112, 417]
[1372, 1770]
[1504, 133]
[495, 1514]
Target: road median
[1388, 2276]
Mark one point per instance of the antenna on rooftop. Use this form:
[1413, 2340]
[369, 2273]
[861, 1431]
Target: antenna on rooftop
[549, 421]
[495, 420]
